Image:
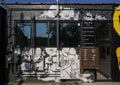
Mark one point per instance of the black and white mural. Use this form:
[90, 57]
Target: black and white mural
[51, 64]
[48, 63]
[64, 13]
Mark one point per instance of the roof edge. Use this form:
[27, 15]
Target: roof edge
[39, 3]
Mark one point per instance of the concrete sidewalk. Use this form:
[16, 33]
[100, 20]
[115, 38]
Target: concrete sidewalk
[68, 83]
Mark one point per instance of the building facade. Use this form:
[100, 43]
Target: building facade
[62, 42]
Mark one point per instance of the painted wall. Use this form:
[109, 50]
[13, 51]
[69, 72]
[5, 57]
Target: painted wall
[116, 44]
[49, 63]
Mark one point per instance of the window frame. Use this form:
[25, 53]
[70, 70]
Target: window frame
[46, 21]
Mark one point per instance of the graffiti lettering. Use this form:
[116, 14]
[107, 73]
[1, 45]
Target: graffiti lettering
[118, 56]
[116, 24]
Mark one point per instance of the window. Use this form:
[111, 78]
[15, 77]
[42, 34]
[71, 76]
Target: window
[23, 34]
[103, 41]
[45, 34]
[103, 31]
[69, 34]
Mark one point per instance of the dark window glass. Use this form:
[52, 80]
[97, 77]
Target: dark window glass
[69, 34]
[45, 34]
[52, 34]
[41, 34]
[23, 34]
[103, 31]
[103, 41]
